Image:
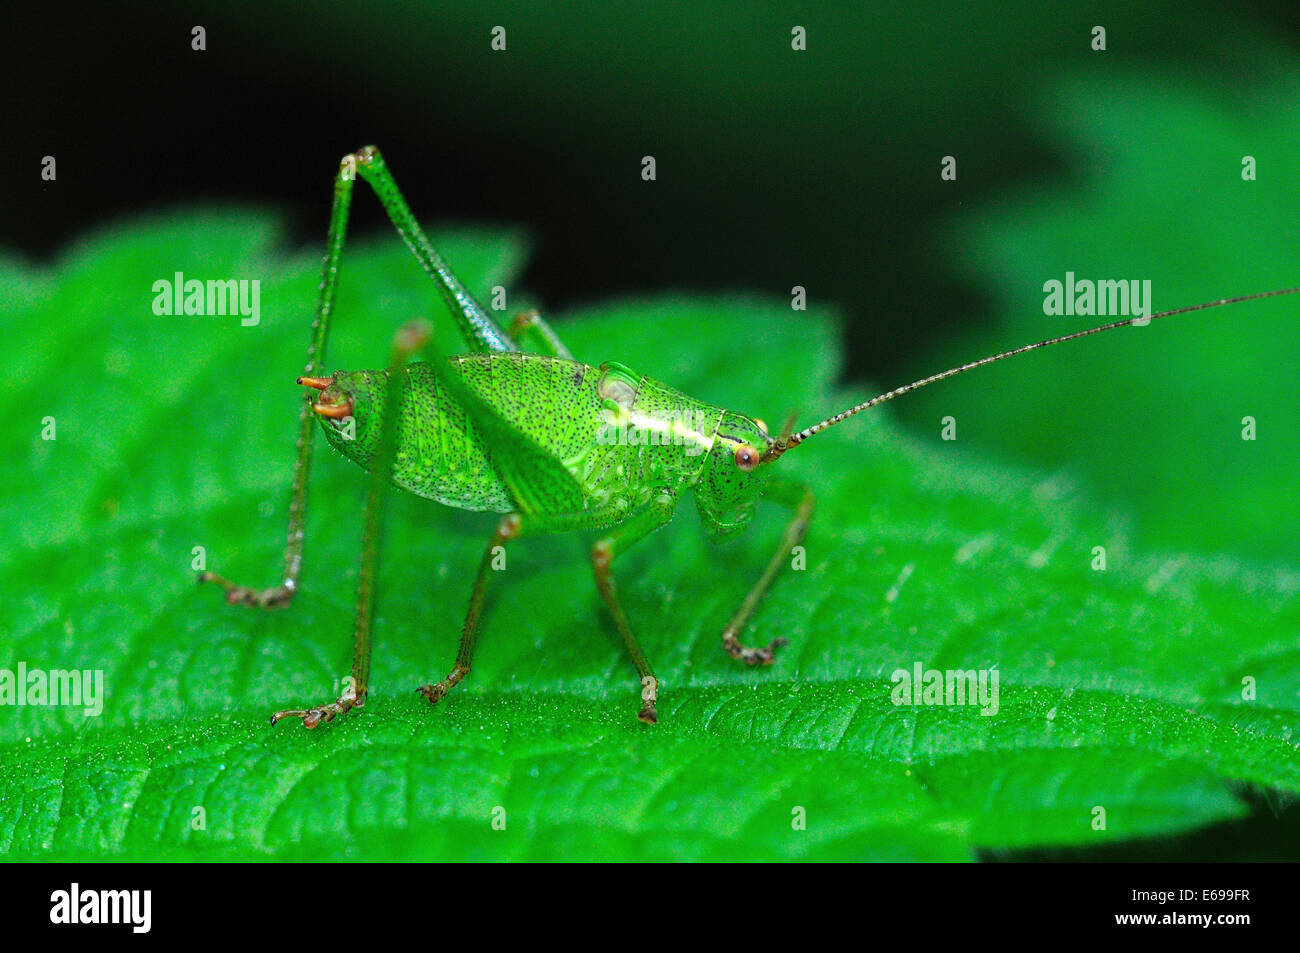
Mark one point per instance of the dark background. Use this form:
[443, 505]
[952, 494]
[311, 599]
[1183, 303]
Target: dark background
[775, 168]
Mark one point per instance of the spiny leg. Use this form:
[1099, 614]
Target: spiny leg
[799, 498]
[639, 525]
[482, 334]
[535, 336]
[278, 596]
[409, 339]
[511, 527]
[508, 529]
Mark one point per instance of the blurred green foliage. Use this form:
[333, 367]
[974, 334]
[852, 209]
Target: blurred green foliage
[1150, 417]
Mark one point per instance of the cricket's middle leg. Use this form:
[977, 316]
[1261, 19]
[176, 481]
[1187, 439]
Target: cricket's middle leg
[515, 525]
[506, 530]
[799, 498]
[535, 336]
[410, 338]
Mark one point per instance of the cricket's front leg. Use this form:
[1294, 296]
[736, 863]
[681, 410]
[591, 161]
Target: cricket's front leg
[639, 525]
[800, 499]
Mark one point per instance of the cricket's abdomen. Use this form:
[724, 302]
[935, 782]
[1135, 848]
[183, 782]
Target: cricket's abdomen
[445, 456]
[440, 456]
[567, 410]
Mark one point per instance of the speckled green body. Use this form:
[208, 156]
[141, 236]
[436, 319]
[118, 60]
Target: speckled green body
[615, 439]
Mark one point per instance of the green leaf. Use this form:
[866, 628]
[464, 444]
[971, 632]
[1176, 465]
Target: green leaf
[1119, 689]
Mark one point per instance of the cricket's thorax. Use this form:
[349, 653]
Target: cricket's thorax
[615, 438]
[650, 437]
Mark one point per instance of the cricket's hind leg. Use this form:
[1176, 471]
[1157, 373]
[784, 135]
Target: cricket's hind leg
[276, 597]
[800, 499]
[481, 333]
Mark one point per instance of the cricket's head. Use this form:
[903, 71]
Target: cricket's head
[350, 407]
[732, 479]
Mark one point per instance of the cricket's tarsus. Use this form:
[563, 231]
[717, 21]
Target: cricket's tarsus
[312, 717]
[523, 429]
[751, 656]
[276, 597]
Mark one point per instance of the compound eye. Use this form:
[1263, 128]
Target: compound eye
[746, 458]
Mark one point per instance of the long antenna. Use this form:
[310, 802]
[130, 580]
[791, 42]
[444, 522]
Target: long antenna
[784, 443]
